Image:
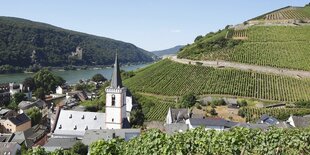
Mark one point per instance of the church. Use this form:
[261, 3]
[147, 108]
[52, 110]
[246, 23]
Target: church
[69, 123]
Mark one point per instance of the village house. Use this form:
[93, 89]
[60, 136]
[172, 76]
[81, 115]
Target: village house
[34, 136]
[25, 105]
[20, 122]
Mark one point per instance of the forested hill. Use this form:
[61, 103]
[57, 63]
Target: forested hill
[172, 50]
[24, 43]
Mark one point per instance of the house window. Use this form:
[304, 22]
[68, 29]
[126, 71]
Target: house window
[113, 135]
[113, 100]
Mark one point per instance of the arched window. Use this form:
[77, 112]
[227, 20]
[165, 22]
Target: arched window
[113, 100]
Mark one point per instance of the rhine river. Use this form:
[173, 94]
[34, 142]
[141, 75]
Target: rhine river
[71, 76]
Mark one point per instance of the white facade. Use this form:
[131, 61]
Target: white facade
[59, 90]
[115, 107]
[168, 117]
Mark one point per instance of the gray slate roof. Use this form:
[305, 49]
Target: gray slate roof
[179, 115]
[58, 143]
[175, 127]
[211, 122]
[27, 104]
[116, 80]
[7, 148]
[268, 120]
[19, 119]
[105, 134]
[301, 121]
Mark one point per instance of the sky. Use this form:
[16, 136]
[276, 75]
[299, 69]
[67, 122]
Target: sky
[149, 24]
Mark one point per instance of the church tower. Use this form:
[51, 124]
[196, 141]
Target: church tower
[115, 109]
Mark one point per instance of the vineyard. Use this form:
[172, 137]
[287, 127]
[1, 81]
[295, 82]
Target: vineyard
[199, 141]
[276, 46]
[253, 114]
[175, 79]
[155, 109]
[287, 14]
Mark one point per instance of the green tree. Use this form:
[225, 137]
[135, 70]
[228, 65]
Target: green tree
[47, 80]
[136, 117]
[39, 93]
[188, 100]
[98, 78]
[79, 148]
[35, 115]
[18, 97]
[29, 82]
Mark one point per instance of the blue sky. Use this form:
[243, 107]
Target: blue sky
[151, 25]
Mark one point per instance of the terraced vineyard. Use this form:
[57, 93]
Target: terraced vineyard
[175, 79]
[286, 14]
[276, 46]
[253, 114]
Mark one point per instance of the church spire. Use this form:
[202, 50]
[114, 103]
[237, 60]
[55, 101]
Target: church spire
[116, 75]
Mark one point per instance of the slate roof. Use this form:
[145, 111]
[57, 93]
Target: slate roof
[4, 111]
[253, 126]
[19, 119]
[58, 143]
[27, 104]
[179, 115]
[116, 80]
[175, 127]
[6, 148]
[74, 123]
[6, 137]
[211, 122]
[301, 121]
[105, 134]
[268, 120]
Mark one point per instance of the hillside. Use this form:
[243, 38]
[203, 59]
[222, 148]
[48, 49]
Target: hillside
[174, 79]
[24, 42]
[169, 51]
[283, 45]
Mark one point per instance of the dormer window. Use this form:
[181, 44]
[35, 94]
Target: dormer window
[70, 116]
[86, 128]
[83, 117]
[112, 119]
[60, 126]
[113, 100]
[95, 118]
[75, 127]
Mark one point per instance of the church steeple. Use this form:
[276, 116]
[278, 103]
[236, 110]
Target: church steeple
[116, 76]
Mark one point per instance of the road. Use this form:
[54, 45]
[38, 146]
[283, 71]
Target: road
[246, 67]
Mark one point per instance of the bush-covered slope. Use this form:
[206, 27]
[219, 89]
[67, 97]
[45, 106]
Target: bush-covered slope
[171, 78]
[54, 46]
[276, 46]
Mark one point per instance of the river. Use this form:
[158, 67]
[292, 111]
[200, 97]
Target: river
[71, 76]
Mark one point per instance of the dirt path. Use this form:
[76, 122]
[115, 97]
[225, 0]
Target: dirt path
[246, 67]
